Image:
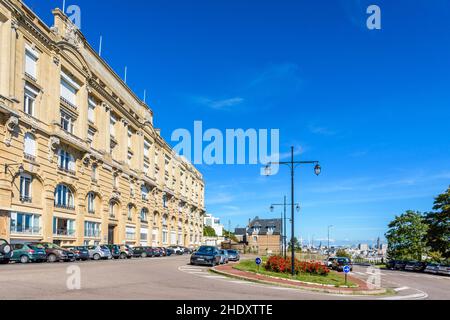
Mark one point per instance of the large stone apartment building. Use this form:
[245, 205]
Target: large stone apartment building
[80, 159]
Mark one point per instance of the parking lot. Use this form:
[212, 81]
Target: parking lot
[173, 278]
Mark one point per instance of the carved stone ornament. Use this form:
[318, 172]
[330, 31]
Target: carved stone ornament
[71, 35]
[54, 143]
[115, 196]
[86, 159]
[11, 124]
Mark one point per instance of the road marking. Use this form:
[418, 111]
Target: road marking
[410, 297]
[401, 289]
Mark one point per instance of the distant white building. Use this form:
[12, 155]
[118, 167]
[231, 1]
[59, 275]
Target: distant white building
[363, 247]
[214, 223]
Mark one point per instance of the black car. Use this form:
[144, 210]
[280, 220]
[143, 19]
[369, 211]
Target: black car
[206, 255]
[81, 253]
[144, 252]
[341, 262]
[169, 252]
[5, 251]
[390, 264]
[400, 265]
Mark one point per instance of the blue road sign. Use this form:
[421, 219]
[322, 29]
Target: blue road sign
[258, 261]
[347, 269]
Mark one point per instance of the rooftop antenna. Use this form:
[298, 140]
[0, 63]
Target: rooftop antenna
[100, 46]
[64, 6]
[145, 95]
[126, 70]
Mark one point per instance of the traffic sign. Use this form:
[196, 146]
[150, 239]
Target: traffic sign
[258, 261]
[347, 269]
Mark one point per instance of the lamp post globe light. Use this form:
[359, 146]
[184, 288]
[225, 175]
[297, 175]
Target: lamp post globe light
[292, 165]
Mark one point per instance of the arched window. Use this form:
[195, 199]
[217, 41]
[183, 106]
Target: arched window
[91, 202]
[130, 212]
[113, 208]
[144, 191]
[29, 145]
[164, 201]
[144, 214]
[64, 197]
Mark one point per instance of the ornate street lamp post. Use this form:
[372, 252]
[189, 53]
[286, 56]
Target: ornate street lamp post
[292, 165]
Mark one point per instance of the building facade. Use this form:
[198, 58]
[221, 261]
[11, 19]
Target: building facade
[214, 223]
[262, 236]
[81, 162]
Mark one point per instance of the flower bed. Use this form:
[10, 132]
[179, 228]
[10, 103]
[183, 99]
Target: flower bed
[281, 265]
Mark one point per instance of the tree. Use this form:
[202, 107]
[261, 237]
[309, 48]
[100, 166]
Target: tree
[296, 243]
[209, 231]
[438, 236]
[230, 235]
[343, 253]
[407, 236]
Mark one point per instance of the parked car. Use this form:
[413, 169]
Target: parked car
[143, 252]
[120, 251]
[329, 262]
[55, 253]
[415, 266]
[115, 250]
[162, 251]
[233, 255]
[98, 252]
[177, 250]
[169, 251]
[223, 256]
[25, 253]
[206, 255]
[444, 269]
[432, 268]
[400, 264]
[187, 250]
[81, 253]
[390, 264]
[341, 262]
[5, 251]
[409, 266]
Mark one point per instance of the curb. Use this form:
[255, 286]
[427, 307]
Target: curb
[324, 290]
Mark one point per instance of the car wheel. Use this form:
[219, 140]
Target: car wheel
[96, 257]
[144, 255]
[123, 256]
[24, 259]
[51, 258]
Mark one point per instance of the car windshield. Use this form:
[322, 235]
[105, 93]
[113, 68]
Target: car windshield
[104, 247]
[206, 250]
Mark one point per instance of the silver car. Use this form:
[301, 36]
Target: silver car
[223, 256]
[432, 268]
[99, 252]
[444, 270]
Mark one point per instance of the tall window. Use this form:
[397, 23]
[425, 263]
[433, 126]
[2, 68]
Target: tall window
[147, 147]
[31, 59]
[94, 173]
[91, 110]
[64, 197]
[69, 89]
[165, 201]
[25, 188]
[30, 100]
[112, 126]
[66, 161]
[130, 138]
[144, 191]
[90, 137]
[112, 209]
[29, 145]
[144, 214]
[91, 202]
[66, 122]
[130, 212]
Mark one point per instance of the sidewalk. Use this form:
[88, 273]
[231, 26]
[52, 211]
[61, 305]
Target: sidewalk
[362, 288]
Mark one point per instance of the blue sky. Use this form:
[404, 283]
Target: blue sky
[372, 106]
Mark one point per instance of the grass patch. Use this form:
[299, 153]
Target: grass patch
[332, 278]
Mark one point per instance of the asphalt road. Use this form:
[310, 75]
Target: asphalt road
[171, 278]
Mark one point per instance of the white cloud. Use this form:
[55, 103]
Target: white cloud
[223, 104]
